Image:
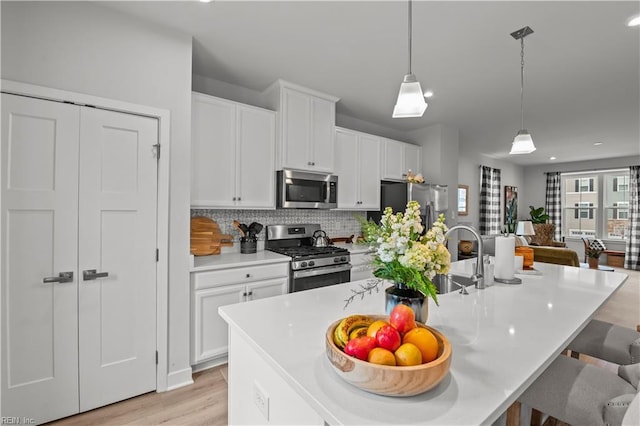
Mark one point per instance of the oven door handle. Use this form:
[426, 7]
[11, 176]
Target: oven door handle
[323, 270]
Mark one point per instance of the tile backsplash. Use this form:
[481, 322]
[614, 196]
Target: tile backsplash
[334, 223]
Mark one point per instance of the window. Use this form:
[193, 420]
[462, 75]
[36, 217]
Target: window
[596, 204]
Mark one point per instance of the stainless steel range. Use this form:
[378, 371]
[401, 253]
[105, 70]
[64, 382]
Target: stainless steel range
[311, 266]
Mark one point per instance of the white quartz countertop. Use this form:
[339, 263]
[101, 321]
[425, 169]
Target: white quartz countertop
[232, 260]
[502, 338]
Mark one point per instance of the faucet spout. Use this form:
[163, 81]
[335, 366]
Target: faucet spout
[478, 276]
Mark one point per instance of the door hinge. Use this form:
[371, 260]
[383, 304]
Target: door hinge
[156, 357]
[157, 255]
[157, 148]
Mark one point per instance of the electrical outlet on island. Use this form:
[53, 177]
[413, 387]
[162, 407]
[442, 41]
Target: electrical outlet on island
[261, 400]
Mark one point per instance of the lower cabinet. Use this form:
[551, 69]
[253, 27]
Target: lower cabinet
[212, 289]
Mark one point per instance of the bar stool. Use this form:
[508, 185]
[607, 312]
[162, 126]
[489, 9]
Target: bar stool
[583, 394]
[609, 342]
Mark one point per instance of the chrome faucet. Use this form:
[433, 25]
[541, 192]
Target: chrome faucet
[478, 276]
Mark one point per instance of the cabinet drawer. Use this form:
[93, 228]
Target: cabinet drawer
[239, 275]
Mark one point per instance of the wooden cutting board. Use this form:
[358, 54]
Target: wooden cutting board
[206, 238]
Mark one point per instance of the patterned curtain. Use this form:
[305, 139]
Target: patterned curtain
[490, 222]
[552, 203]
[632, 255]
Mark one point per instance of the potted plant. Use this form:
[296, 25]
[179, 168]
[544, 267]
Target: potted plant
[593, 252]
[544, 231]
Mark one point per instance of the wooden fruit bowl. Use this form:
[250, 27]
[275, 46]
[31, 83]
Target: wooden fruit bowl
[390, 380]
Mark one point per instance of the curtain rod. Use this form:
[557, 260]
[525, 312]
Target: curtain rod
[589, 170]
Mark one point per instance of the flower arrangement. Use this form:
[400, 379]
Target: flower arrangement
[413, 178]
[403, 254]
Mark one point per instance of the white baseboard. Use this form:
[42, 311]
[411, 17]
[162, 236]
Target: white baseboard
[210, 364]
[178, 379]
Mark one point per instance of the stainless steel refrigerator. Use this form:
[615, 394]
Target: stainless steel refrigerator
[433, 199]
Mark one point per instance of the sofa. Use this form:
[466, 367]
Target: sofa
[557, 255]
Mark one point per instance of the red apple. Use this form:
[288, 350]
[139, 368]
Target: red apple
[360, 347]
[402, 318]
[388, 337]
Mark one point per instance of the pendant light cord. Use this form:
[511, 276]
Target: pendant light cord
[522, 81]
[410, 29]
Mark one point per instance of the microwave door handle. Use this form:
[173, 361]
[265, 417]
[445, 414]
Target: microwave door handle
[325, 190]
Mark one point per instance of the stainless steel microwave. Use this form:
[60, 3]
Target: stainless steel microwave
[306, 190]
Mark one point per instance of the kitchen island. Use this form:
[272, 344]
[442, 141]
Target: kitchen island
[502, 338]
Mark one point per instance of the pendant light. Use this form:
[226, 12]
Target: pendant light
[523, 142]
[410, 101]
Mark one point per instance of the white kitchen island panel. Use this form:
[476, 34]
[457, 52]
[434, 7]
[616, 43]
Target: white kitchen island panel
[502, 337]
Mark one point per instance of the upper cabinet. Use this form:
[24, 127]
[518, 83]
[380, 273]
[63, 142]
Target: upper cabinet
[306, 126]
[232, 154]
[398, 158]
[357, 159]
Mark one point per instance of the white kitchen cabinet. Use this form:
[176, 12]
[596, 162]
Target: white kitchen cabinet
[232, 154]
[212, 289]
[357, 160]
[398, 158]
[306, 126]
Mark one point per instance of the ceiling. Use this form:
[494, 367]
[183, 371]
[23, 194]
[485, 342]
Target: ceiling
[582, 76]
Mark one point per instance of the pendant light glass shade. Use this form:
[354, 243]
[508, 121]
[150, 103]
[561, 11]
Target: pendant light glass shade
[410, 101]
[522, 143]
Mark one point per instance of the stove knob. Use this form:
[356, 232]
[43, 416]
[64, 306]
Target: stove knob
[304, 264]
[343, 258]
[311, 263]
[336, 259]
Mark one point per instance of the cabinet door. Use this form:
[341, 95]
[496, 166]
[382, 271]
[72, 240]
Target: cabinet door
[256, 155]
[322, 135]
[117, 235]
[213, 152]
[296, 130]
[369, 174]
[268, 288]
[393, 160]
[347, 169]
[39, 184]
[210, 333]
[412, 158]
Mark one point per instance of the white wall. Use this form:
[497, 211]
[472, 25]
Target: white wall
[83, 47]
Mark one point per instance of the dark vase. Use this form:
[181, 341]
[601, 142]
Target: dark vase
[593, 262]
[400, 293]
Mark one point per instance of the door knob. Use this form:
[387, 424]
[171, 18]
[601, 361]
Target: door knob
[63, 277]
[91, 274]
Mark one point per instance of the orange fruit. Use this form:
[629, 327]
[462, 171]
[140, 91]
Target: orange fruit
[425, 341]
[381, 356]
[408, 354]
[374, 327]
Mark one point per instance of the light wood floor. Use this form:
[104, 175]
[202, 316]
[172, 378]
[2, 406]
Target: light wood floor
[205, 402]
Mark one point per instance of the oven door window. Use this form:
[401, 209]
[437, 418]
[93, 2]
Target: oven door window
[303, 190]
[315, 281]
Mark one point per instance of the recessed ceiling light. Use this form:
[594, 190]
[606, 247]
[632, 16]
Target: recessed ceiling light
[597, 143]
[205, 1]
[634, 21]
[552, 158]
[428, 93]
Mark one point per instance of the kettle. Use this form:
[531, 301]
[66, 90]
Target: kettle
[320, 239]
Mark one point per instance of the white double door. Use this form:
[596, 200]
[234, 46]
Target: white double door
[79, 189]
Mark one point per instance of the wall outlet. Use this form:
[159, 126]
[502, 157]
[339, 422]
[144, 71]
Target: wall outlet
[261, 400]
